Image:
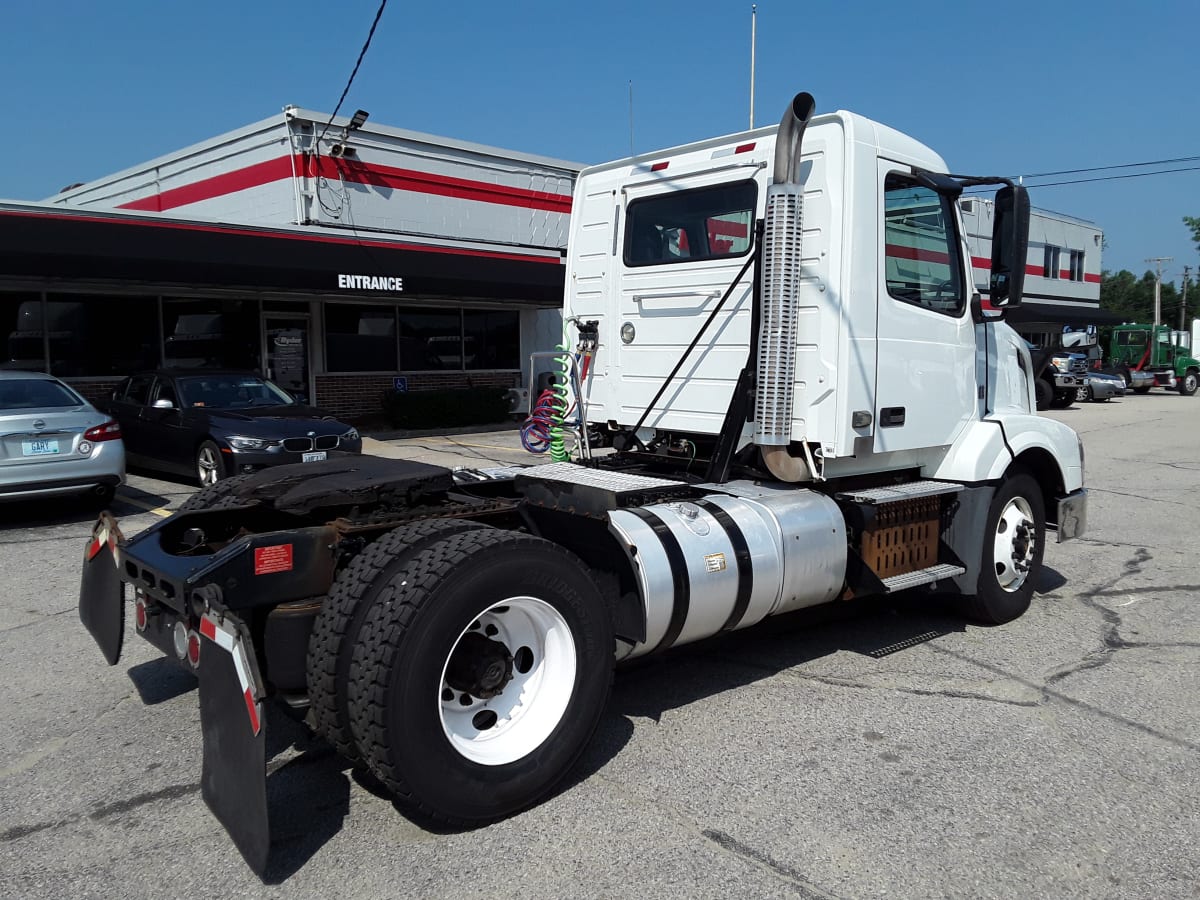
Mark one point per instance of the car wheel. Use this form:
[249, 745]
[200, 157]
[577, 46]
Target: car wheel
[1013, 544]
[1126, 377]
[1187, 384]
[209, 467]
[1143, 390]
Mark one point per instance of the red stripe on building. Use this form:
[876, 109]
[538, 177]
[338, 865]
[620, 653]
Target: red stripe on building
[216, 186]
[354, 171]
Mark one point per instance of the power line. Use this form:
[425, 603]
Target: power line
[1099, 178]
[1152, 162]
[361, 54]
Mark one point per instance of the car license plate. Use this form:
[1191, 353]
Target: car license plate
[40, 448]
[314, 456]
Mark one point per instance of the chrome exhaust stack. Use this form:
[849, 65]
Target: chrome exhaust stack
[779, 325]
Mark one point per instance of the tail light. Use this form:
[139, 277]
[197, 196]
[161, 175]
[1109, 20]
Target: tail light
[193, 649]
[140, 614]
[109, 431]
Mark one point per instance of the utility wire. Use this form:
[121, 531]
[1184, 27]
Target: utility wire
[1099, 178]
[1152, 162]
[361, 54]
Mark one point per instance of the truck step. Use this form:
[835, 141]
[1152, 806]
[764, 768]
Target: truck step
[909, 491]
[921, 576]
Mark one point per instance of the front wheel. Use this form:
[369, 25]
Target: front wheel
[1043, 394]
[1013, 544]
[1187, 384]
[209, 467]
[480, 674]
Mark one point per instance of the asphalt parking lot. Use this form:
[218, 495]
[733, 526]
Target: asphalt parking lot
[1055, 756]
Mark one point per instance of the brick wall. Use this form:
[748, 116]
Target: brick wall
[360, 395]
[94, 390]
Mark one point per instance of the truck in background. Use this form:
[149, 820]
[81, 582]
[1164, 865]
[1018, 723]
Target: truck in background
[1136, 351]
[806, 402]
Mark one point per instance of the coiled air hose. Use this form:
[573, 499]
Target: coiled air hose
[545, 428]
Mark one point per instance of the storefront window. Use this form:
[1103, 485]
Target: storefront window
[211, 333]
[492, 339]
[360, 338]
[99, 335]
[21, 328]
[430, 339]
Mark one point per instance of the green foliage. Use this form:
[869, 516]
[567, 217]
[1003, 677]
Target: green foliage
[1193, 224]
[445, 408]
[1132, 298]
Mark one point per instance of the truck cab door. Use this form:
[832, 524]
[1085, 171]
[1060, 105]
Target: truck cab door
[925, 373]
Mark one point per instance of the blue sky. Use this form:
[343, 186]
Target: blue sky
[1014, 88]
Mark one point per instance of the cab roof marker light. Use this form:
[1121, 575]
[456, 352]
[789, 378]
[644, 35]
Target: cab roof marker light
[730, 151]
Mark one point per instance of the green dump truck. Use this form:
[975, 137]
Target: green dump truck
[1152, 350]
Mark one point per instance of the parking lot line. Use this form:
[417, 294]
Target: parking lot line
[142, 504]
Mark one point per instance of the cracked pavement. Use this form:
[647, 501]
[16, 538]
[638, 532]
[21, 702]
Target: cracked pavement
[1055, 756]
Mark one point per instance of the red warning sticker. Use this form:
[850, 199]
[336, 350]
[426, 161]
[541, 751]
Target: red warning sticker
[272, 559]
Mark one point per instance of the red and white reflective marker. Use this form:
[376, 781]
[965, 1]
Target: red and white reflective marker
[226, 637]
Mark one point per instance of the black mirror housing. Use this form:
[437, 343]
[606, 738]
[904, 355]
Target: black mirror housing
[1010, 246]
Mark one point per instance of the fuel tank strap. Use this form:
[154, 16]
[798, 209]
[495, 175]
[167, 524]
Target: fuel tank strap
[683, 587]
[741, 555]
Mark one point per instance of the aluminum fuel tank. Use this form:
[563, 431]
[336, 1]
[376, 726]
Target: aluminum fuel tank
[730, 559]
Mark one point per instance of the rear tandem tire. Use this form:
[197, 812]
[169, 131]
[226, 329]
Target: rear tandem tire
[216, 496]
[335, 632]
[1013, 544]
[480, 675]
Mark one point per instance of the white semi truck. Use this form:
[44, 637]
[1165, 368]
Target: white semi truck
[802, 399]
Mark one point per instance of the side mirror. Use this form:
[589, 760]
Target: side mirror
[163, 403]
[1010, 246]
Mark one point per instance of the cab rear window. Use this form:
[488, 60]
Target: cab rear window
[687, 226]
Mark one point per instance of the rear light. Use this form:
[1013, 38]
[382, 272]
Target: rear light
[109, 431]
[193, 649]
[139, 612]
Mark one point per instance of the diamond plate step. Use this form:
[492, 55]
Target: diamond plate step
[921, 576]
[908, 491]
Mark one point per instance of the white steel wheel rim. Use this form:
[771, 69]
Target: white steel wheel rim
[1015, 544]
[1189, 382]
[206, 463]
[529, 706]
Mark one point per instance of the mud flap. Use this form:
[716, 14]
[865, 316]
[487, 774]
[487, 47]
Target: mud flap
[234, 777]
[101, 593]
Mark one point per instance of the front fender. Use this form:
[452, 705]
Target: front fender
[980, 453]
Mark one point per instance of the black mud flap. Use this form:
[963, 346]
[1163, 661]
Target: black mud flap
[101, 593]
[234, 778]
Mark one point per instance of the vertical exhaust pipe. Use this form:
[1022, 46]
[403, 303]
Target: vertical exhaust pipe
[779, 328]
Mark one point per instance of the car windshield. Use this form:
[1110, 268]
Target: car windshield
[230, 392]
[36, 393]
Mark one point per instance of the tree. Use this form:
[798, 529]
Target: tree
[1132, 298]
[1193, 222]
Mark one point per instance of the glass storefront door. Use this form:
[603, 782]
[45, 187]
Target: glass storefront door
[287, 356]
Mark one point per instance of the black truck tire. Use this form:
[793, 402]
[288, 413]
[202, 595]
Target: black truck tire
[216, 496]
[1063, 399]
[1043, 393]
[1013, 544]
[1187, 384]
[480, 675]
[1143, 390]
[331, 644]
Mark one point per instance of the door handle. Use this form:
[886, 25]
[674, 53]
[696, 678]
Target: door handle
[891, 417]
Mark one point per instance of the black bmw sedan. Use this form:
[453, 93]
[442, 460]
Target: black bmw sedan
[212, 423]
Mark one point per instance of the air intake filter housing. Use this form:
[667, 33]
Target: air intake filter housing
[782, 236]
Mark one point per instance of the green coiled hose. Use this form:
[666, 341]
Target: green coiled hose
[560, 405]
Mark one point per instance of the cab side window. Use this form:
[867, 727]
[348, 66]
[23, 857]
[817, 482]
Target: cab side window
[921, 247]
